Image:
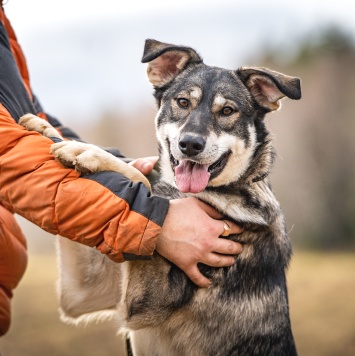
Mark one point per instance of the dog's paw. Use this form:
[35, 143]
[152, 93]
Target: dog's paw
[34, 123]
[85, 158]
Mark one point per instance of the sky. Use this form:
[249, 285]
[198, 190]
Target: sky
[44, 13]
[84, 55]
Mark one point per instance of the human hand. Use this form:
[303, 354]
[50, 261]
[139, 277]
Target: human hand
[190, 234]
[144, 165]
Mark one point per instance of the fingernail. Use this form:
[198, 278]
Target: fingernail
[147, 166]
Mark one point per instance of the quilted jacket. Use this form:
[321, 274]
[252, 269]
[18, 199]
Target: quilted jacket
[104, 210]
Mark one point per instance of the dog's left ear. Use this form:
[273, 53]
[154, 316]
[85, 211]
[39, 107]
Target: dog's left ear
[166, 61]
[268, 87]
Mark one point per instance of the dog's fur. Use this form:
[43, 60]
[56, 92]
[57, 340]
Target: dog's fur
[213, 145]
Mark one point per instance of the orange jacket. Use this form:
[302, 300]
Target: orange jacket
[103, 210]
[13, 261]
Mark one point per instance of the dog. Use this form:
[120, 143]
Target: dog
[213, 145]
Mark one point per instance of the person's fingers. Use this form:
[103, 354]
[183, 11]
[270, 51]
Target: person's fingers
[217, 260]
[144, 165]
[232, 228]
[191, 234]
[151, 159]
[209, 210]
[197, 277]
[226, 247]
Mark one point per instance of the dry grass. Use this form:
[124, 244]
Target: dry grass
[36, 329]
[321, 288]
[322, 302]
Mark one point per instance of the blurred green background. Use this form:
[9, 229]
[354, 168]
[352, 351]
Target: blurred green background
[87, 69]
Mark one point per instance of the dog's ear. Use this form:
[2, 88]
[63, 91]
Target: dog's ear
[166, 61]
[268, 87]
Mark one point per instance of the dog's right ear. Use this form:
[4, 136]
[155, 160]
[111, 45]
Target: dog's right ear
[166, 61]
[268, 86]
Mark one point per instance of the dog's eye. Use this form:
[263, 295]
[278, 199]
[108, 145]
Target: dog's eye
[183, 103]
[227, 110]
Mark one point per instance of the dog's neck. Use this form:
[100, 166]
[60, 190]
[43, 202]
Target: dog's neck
[262, 162]
[253, 186]
[250, 199]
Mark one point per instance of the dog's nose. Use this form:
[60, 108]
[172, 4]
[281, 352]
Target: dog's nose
[191, 145]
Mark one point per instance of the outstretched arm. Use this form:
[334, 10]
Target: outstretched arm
[191, 230]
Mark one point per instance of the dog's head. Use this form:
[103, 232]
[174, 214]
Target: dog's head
[210, 120]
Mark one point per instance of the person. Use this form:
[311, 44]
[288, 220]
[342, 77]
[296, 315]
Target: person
[104, 210]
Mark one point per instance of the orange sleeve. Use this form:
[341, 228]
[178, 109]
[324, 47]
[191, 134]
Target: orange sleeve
[13, 261]
[36, 187]
[104, 210]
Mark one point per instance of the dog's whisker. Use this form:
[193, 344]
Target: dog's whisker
[291, 229]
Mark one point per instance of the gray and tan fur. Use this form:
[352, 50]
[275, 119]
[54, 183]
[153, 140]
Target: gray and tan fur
[213, 145]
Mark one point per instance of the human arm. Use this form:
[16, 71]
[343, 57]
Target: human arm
[103, 210]
[13, 261]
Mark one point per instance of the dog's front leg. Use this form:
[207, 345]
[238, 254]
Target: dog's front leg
[87, 158]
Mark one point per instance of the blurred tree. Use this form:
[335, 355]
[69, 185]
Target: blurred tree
[325, 137]
[329, 41]
[132, 133]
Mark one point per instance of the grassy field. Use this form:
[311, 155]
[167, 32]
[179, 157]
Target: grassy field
[322, 302]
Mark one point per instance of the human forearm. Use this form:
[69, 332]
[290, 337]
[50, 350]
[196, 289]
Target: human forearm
[106, 211]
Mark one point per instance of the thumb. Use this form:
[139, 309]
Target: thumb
[144, 165]
[209, 210]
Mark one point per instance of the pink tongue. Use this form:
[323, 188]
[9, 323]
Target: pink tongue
[191, 177]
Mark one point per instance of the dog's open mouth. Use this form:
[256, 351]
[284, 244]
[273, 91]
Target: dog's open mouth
[192, 177]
